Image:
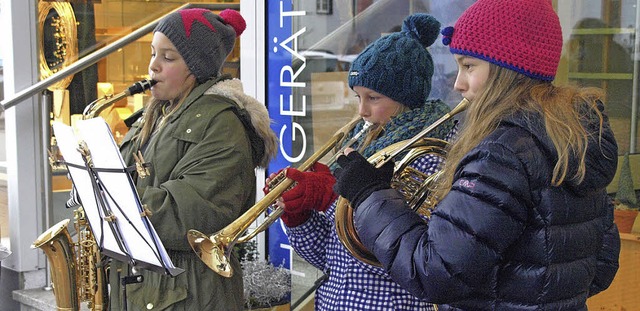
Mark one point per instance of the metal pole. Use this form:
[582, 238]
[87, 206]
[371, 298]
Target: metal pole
[101, 53]
[636, 71]
[44, 123]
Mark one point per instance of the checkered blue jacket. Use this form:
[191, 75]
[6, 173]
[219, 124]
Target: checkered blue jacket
[351, 284]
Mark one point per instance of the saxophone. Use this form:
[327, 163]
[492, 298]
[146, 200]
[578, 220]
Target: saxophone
[77, 272]
[91, 272]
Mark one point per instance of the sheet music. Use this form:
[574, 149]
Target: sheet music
[138, 235]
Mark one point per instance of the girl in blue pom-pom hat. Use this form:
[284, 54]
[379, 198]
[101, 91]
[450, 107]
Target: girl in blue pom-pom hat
[392, 79]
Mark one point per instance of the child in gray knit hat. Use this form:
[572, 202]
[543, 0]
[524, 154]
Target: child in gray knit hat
[392, 79]
[203, 137]
[202, 38]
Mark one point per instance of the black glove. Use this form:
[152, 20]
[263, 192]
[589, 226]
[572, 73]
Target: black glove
[357, 178]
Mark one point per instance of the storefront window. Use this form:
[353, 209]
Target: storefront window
[600, 51]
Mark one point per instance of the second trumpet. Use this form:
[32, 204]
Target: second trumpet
[215, 250]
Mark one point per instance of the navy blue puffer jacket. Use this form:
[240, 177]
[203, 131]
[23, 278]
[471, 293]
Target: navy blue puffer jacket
[504, 238]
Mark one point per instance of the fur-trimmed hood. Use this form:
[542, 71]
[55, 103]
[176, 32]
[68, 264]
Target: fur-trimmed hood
[232, 88]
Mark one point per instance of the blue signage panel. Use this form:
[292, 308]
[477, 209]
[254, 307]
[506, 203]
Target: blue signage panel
[285, 104]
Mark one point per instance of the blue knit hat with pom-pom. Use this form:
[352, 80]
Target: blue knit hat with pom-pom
[398, 65]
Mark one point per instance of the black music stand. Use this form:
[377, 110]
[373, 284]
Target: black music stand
[117, 219]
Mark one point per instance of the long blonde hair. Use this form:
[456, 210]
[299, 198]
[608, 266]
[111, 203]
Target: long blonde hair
[506, 92]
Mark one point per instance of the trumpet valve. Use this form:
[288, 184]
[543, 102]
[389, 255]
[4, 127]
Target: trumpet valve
[275, 181]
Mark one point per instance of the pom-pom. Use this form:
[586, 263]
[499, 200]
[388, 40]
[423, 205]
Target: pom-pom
[447, 32]
[423, 27]
[233, 18]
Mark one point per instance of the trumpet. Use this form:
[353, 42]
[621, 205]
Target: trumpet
[215, 250]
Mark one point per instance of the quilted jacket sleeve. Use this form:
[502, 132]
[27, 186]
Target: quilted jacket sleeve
[607, 265]
[460, 247]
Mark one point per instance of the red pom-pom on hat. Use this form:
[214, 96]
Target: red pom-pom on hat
[235, 20]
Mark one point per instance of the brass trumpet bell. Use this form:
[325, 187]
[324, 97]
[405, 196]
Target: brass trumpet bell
[215, 250]
[211, 252]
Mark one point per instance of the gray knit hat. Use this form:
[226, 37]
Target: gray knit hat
[398, 65]
[203, 39]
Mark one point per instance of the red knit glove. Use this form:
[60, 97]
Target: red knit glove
[314, 191]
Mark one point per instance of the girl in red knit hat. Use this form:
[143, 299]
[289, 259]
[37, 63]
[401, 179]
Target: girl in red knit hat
[523, 221]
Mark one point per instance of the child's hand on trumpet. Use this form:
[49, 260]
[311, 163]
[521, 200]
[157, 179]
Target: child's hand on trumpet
[357, 178]
[313, 191]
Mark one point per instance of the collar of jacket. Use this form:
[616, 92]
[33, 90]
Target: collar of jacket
[196, 93]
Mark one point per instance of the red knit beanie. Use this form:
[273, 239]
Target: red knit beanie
[521, 35]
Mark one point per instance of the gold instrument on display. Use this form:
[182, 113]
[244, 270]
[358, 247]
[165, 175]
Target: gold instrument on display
[215, 250]
[77, 273]
[413, 184]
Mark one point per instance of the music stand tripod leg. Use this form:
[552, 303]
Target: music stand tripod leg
[124, 281]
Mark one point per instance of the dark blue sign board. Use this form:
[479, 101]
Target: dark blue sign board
[285, 105]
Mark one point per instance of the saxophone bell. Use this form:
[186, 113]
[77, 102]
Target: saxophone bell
[76, 271]
[60, 251]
